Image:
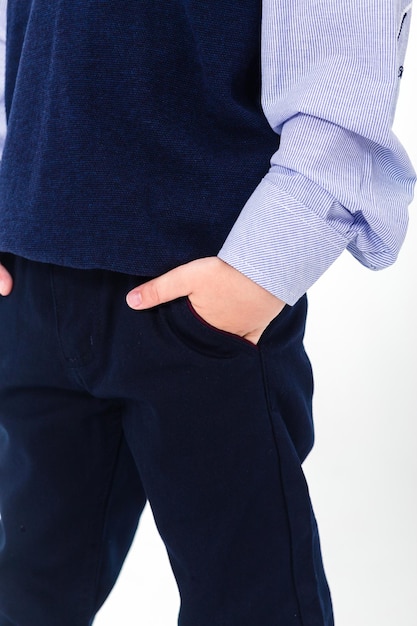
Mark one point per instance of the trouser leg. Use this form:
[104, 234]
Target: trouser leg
[70, 495]
[218, 429]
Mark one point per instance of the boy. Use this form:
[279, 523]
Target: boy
[135, 145]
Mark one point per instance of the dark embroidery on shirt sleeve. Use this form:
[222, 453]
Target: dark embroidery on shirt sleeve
[402, 24]
[400, 71]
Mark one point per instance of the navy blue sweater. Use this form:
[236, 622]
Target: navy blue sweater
[135, 131]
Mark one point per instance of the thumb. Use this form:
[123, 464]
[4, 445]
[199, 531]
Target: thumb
[168, 286]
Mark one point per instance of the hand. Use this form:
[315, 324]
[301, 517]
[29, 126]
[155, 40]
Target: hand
[220, 294]
[6, 281]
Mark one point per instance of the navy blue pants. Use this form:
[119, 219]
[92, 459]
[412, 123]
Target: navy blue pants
[103, 408]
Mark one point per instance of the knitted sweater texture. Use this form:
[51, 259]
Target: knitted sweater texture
[135, 130]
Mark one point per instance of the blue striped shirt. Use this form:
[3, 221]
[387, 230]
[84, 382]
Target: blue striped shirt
[340, 179]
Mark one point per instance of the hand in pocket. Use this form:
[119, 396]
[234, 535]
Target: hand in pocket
[219, 294]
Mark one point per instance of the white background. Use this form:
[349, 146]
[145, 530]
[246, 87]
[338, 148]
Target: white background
[362, 471]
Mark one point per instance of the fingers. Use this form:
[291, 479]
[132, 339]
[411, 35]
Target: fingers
[6, 281]
[164, 288]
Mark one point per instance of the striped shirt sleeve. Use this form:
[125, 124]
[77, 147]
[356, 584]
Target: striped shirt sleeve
[340, 179]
